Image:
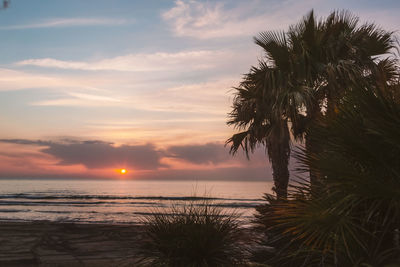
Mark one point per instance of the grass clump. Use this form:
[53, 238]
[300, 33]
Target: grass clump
[196, 233]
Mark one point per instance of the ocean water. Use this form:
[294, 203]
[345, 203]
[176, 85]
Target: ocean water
[119, 201]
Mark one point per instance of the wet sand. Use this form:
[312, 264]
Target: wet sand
[68, 244]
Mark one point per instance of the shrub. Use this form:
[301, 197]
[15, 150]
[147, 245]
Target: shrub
[351, 216]
[196, 233]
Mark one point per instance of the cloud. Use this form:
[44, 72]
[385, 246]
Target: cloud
[95, 158]
[209, 97]
[79, 99]
[145, 92]
[25, 142]
[223, 19]
[210, 153]
[16, 80]
[71, 90]
[158, 61]
[67, 22]
[192, 81]
[215, 154]
[205, 20]
[98, 154]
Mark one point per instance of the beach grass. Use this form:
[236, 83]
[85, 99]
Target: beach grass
[195, 233]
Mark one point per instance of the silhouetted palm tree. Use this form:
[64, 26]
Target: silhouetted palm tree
[260, 124]
[306, 73]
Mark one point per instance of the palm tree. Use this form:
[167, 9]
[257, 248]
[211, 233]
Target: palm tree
[307, 72]
[260, 124]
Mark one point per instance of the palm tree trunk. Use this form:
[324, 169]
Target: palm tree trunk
[312, 149]
[280, 171]
[279, 155]
[315, 116]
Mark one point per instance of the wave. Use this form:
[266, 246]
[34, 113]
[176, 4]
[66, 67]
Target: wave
[71, 220]
[77, 203]
[113, 197]
[152, 213]
[105, 203]
[13, 210]
[83, 212]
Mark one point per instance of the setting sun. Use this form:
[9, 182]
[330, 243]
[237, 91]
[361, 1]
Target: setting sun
[123, 171]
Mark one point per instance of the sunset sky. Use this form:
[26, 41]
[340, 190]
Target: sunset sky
[91, 87]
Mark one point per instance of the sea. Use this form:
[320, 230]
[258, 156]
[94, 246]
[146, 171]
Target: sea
[121, 201]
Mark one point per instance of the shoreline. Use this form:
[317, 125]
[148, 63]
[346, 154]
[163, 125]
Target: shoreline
[45, 243]
[22, 221]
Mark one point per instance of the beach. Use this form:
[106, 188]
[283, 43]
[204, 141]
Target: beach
[68, 244]
[75, 244]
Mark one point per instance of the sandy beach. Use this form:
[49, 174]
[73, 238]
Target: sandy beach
[67, 244]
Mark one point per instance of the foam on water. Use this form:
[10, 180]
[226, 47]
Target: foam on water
[106, 201]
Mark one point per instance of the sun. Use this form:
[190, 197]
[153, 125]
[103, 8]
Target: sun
[121, 171]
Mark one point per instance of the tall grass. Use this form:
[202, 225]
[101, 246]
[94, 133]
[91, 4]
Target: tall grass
[195, 233]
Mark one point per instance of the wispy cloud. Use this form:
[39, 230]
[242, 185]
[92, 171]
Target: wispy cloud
[209, 97]
[16, 80]
[148, 92]
[222, 19]
[149, 79]
[204, 20]
[68, 22]
[71, 90]
[79, 99]
[159, 61]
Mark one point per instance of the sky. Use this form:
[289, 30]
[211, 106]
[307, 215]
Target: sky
[91, 87]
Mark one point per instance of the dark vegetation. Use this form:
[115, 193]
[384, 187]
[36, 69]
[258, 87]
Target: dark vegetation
[332, 85]
[351, 216]
[335, 86]
[194, 234]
